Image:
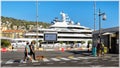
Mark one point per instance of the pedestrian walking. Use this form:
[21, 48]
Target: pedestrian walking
[32, 49]
[12, 48]
[94, 50]
[88, 47]
[39, 44]
[79, 45]
[98, 49]
[27, 53]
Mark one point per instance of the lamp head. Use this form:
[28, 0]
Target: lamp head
[104, 16]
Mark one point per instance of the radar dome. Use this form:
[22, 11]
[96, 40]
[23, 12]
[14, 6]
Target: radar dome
[78, 23]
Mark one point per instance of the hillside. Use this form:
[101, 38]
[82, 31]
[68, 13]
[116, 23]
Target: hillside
[18, 22]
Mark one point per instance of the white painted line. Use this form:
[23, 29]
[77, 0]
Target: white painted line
[83, 57]
[34, 61]
[75, 58]
[45, 60]
[21, 61]
[65, 59]
[49, 63]
[55, 59]
[9, 62]
[15, 49]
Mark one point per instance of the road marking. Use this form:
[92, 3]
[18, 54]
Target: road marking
[34, 61]
[49, 63]
[88, 57]
[9, 61]
[45, 60]
[82, 57]
[21, 61]
[75, 58]
[55, 59]
[65, 59]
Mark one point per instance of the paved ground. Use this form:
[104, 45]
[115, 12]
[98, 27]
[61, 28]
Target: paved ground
[60, 59]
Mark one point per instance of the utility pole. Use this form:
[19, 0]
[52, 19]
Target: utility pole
[103, 18]
[37, 20]
[94, 45]
[94, 15]
[99, 25]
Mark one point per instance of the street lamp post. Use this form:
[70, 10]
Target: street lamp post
[103, 18]
[37, 20]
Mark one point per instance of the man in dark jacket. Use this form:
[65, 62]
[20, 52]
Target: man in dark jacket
[32, 49]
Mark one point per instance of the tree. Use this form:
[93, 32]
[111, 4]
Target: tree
[90, 42]
[5, 43]
[25, 23]
[75, 42]
[34, 41]
[40, 41]
[61, 42]
[82, 42]
[67, 42]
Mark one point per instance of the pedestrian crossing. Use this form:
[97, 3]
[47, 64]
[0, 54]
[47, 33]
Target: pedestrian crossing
[66, 59]
[55, 59]
[11, 61]
[45, 60]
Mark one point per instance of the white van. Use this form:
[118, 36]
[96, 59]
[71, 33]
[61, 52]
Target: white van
[20, 42]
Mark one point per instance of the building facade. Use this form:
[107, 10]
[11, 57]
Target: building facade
[110, 38]
[13, 33]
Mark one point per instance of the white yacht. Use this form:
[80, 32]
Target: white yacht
[65, 30]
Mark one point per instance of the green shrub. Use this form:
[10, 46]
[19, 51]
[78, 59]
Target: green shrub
[90, 42]
[5, 43]
[82, 42]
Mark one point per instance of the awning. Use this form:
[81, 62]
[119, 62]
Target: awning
[107, 33]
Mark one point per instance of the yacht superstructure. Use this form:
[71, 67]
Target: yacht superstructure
[65, 29]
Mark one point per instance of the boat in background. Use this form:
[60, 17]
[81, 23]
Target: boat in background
[66, 32]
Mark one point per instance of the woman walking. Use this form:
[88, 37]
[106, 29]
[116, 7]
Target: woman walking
[27, 53]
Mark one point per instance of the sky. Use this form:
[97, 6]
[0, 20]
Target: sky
[78, 11]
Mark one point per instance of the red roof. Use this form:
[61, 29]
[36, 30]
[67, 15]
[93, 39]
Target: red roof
[13, 31]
